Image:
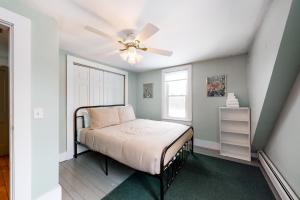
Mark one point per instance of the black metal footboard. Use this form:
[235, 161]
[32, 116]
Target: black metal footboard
[168, 171]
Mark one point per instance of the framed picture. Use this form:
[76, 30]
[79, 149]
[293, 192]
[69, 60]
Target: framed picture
[148, 90]
[216, 86]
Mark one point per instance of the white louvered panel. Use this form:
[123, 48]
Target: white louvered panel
[113, 88]
[96, 87]
[82, 84]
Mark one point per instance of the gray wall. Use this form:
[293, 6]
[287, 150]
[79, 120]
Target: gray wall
[132, 80]
[262, 57]
[205, 110]
[283, 147]
[44, 83]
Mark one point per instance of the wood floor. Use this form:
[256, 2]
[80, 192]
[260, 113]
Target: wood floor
[4, 178]
[84, 178]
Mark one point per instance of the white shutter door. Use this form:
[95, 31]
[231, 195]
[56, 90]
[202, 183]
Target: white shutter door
[114, 88]
[96, 87]
[82, 84]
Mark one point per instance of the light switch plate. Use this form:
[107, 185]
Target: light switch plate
[38, 113]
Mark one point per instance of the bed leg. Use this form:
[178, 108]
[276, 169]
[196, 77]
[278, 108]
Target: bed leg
[161, 179]
[75, 150]
[106, 165]
[192, 150]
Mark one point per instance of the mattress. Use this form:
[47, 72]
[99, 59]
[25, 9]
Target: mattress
[138, 143]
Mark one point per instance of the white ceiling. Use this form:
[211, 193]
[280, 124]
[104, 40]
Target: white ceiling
[194, 30]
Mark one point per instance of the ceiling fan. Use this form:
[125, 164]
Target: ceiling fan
[132, 43]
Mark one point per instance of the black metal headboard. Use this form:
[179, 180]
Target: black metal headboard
[76, 116]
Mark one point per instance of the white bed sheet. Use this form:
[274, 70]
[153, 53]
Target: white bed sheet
[138, 143]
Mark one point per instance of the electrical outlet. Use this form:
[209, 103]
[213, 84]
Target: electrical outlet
[38, 113]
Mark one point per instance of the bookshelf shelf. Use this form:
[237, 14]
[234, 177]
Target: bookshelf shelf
[234, 124]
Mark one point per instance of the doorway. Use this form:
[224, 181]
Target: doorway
[19, 71]
[4, 113]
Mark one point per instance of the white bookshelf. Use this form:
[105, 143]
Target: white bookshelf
[234, 124]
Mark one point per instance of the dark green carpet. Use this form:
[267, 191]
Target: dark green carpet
[202, 177]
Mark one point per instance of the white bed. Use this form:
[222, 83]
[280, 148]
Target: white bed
[153, 147]
[137, 143]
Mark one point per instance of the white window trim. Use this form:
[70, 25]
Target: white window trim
[189, 93]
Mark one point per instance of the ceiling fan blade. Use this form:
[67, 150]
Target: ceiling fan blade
[100, 33]
[160, 51]
[147, 32]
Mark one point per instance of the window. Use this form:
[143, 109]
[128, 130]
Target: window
[176, 93]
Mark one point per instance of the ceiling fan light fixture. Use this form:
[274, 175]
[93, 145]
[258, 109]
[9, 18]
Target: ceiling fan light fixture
[131, 56]
[124, 55]
[132, 52]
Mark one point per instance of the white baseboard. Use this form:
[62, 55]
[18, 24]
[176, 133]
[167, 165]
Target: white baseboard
[64, 156]
[206, 144]
[54, 194]
[69, 155]
[282, 187]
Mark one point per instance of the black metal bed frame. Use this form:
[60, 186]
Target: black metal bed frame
[167, 171]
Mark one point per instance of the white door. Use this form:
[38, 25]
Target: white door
[4, 112]
[96, 87]
[114, 88]
[82, 86]
[88, 84]
[81, 95]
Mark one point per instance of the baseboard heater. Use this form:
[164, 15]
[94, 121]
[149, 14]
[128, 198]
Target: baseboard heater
[285, 192]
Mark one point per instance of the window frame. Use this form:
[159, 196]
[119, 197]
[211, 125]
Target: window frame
[188, 106]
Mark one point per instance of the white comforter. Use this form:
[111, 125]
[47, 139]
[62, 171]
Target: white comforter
[138, 143]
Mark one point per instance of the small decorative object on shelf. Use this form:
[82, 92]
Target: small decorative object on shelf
[232, 101]
[235, 136]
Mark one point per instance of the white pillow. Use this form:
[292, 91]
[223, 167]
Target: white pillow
[126, 113]
[104, 116]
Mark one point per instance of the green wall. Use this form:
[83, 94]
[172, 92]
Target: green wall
[132, 80]
[262, 57]
[283, 147]
[149, 108]
[282, 107]
[44, 83]
[132, 89]
[283, 75]
[205, 110]
[62, 101]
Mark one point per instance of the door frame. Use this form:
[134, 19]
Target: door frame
[20, 103]
[71, 61]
